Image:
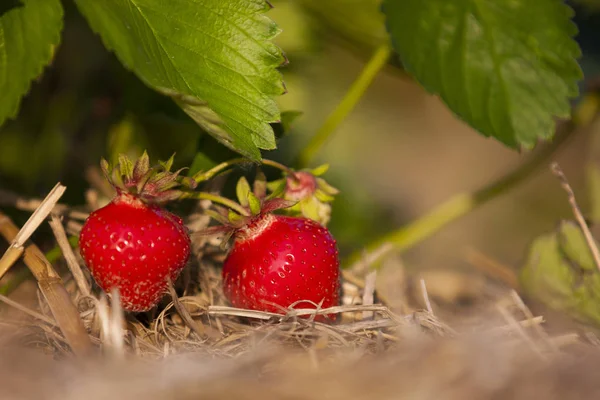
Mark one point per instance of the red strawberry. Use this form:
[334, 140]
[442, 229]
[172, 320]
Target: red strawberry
[277, 261]
[133, 244]
[282, 260]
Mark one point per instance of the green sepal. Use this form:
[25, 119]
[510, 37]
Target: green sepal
[276, 184]
[163, 197]
[162, 181]
[320, 170]
[167, 165]
[323, 197]
[254, 203]
[326, 187]
[310, 208]
[188, 182]
[125, 169]
[242, 189]
[156, 184]
[277, 188]
[234, 217]
[141, 167]
[105, 167]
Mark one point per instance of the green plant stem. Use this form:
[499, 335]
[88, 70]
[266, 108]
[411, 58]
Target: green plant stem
[355, 93]
[460, 204]
[215, 198]
[203, 176]
[280, 166]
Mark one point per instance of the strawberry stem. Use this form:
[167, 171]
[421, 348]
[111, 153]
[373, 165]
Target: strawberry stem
[461, 204]
[215, 198]
[204, 176]
[357, 90]
[282, 167]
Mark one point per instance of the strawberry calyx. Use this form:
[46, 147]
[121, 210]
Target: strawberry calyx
[149, 184]
[252, 212]
[312, 194]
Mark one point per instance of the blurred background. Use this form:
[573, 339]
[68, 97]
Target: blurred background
[400, 152]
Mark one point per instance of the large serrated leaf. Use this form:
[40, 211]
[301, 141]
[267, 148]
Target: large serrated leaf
[215, 58]
[507, 67]
[29, 33]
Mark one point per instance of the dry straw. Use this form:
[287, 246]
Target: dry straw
[75, 317]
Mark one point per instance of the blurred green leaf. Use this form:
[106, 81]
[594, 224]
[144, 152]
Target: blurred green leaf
[214, 58]
[209, 153]
[158, 134]
[167, 135]
[7, 5]
[297, 38]
[31, 157]
[507, 67]
[29, 34]
[357, 22]
[357, 217]
[574, 247]
[125, 137]
[560, 272]
[201, 162]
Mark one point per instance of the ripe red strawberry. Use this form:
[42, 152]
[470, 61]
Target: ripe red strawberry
[133, 244]
[282, 260]
[277, 261]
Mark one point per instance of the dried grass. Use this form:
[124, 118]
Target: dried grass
[201, 321]
[194, 318]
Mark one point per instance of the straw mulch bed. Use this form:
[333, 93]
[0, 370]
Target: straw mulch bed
[272, 352]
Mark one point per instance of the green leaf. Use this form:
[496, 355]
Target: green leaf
[215, 58]
[574, 246]
[29, 33]
[560, 272]
[507, 67]
[358, 23]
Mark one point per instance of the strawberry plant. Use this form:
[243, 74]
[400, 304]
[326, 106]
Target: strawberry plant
[123, 79]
